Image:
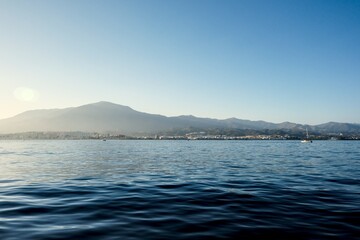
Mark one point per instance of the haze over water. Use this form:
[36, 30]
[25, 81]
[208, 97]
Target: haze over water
[179, 190]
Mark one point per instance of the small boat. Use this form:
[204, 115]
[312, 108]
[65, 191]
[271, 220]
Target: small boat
[307, 140]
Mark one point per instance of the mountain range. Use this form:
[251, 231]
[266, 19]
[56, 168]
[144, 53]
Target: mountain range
[109, 117]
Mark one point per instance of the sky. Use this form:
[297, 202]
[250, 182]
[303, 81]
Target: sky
[290, 60]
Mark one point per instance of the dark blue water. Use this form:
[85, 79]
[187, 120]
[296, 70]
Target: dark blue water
[179, 190]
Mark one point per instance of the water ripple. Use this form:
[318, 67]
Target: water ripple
[179, 190]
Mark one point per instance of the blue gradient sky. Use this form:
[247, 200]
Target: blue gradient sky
[277, 61]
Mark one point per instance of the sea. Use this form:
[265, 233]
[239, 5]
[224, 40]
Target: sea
[154, 189]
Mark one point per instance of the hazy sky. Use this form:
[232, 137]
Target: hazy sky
[272, 60]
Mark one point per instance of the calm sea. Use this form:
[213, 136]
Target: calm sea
[179, 190]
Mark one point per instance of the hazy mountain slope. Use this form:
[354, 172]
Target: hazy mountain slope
[247, 124]
[334, 127]
[98, 117]
[110, 117]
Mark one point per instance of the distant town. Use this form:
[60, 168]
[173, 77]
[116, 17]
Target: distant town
[187, 136]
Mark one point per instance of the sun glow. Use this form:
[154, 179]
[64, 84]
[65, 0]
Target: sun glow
[25, 94]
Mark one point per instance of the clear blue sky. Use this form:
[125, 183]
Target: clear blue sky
[272, 60]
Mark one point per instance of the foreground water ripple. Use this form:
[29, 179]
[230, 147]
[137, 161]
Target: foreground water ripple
[179, 190]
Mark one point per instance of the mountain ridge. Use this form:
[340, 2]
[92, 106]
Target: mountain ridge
[110, 117]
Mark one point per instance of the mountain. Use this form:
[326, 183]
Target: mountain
[334, 127]
[110, 117]
[97, 117]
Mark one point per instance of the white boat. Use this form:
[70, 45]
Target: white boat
[307, 140]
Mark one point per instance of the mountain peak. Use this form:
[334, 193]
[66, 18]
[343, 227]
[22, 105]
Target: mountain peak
[105, 104]
[102, 103]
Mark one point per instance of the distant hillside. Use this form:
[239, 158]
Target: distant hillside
[105, 117]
